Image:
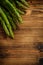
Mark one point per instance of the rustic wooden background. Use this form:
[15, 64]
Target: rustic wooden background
[24, 49]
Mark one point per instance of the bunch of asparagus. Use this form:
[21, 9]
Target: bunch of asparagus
[10, 14]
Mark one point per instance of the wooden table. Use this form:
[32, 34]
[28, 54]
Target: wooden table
[24, 49]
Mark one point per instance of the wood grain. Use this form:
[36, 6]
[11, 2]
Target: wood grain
[24, 48]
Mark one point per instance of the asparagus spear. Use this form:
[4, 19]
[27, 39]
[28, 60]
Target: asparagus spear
[6, 22]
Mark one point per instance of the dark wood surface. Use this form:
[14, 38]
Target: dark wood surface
[24, 49]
